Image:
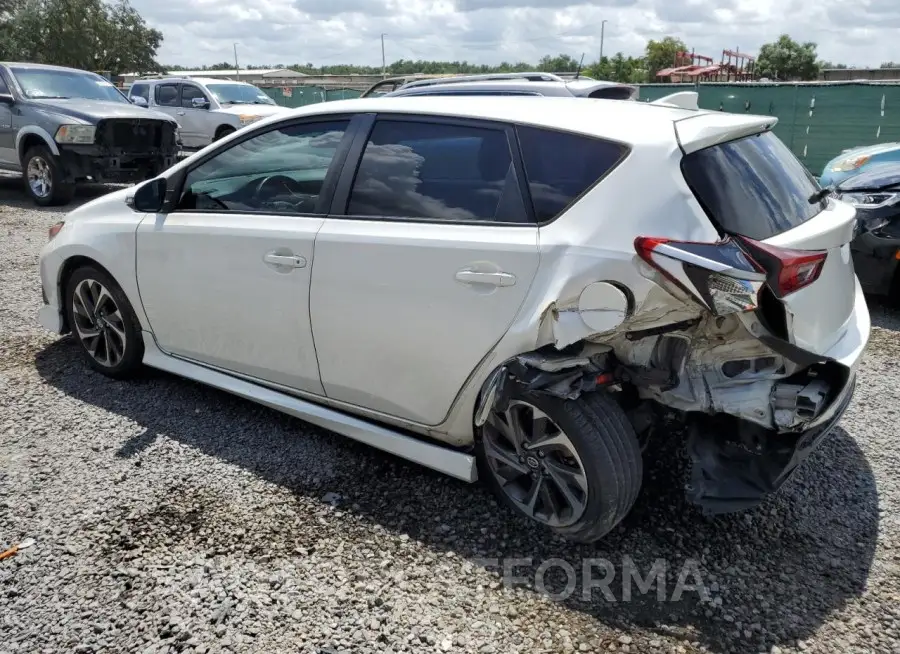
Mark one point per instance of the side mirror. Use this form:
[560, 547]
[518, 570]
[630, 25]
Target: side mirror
[6, 98]
[139, 101]
[199, 103]
[148, 197]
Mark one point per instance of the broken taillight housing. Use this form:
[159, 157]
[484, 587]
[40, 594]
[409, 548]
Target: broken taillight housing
[719, 275]
[789, 270]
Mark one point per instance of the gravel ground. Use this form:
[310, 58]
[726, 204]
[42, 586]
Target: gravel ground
[169, 517]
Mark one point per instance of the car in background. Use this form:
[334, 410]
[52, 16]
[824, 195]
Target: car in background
[534, 84]
[207, 109]
[875, 193]
[491, 287]
[62, 126]
[856, 160]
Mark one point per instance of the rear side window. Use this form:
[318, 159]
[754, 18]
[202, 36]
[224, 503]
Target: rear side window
[167, 95]
[561, 166]
[437, 171]
[753, 186]
[140, 90]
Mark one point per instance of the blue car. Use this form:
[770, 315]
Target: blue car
[856, 160]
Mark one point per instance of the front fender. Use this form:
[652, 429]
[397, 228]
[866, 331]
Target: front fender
[37, 131]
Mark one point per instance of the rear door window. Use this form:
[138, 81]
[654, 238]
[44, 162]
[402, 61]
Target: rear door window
[167, 95]
[437, 171]
[140, 90]
[561, 166]
[753, 186]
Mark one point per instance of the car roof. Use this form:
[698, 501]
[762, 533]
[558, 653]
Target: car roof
[619, 120]
[200, 80]
[34, 66]
[535, 88]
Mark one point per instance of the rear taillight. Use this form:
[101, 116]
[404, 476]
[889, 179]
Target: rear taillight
[53, 231]
[719, 275]
[789, 270]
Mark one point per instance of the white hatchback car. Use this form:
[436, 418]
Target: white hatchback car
[516, 289]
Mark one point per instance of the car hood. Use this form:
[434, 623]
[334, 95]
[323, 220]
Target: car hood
[865, 150]
[91, 111]
[253, 109]
[876, 176]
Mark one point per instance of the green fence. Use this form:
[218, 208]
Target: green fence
[817, 121]
[299, 96]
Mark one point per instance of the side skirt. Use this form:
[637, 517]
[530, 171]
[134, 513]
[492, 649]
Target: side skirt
[445, 460]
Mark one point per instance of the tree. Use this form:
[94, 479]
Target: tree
[826, 65]
[662, 54]
[786, 59]
[86, 34]
[889, 64]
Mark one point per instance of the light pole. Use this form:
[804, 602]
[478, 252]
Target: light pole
[383, 63]
[602, 30]
[237, 70]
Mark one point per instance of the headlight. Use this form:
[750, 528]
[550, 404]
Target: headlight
[75, 134]
[246, 119]
[869, 200]
[849, 164]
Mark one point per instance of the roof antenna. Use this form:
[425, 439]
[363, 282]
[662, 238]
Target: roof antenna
[580, 63]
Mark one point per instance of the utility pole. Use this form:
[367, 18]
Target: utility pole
[237, 70]
[383, 62]
[602, 30]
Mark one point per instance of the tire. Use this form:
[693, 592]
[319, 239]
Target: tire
[44, 178]
[112, 342]
[606, 449]
[222, 132]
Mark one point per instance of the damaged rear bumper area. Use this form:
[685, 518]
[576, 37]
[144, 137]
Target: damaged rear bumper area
[736, 463]
[125, 151]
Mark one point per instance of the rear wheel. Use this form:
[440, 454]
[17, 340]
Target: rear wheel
[572, 465]
[45, 179]
[104, 322]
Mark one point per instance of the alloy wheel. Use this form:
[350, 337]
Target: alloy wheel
[40, 177]
[536, 464]
[99, 323]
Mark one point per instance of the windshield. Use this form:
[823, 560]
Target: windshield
[753, 186]
[39, 83]
[239, 94]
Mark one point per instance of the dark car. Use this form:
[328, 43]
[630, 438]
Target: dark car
[876, 249]
[537, 84]
[60, 126]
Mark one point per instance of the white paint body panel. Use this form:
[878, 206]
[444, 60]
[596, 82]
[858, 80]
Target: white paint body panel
[395, 331]
[209, 295]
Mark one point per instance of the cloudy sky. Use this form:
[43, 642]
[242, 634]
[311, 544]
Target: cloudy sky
[489, 31]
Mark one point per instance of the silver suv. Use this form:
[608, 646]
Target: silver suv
[207, 109]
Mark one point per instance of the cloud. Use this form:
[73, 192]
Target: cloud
[325, 32]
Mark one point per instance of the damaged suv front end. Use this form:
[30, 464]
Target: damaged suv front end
[123, 150]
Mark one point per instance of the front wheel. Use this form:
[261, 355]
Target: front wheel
[44, 178]
[222, 132]
[104, 322]
[572, 465]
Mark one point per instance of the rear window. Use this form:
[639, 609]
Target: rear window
[753, 186]
[561, 166]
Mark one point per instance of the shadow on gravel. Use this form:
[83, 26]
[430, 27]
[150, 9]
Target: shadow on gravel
[12, 194]
[774, 574]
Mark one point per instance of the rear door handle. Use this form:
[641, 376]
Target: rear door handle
[490, 278]
[291, 260]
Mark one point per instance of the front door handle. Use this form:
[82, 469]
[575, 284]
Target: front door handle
[290, 260]
[467, 276]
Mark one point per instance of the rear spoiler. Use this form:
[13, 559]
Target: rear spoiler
[708, 128]
[682, 99]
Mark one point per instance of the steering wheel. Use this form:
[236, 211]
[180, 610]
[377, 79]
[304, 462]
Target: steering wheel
[276, 184]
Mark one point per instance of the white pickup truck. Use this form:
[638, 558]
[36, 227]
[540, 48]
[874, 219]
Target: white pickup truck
[206, 109]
